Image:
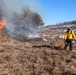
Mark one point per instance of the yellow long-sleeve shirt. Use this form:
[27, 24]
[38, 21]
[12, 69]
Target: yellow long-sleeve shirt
[69, 35]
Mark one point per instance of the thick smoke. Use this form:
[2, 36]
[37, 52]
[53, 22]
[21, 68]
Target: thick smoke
[20, 25]
[2, 9]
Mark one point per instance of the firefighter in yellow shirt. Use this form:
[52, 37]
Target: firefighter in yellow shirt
[68, 37]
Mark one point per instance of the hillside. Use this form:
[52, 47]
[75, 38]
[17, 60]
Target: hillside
[63, 26]
[34, 58]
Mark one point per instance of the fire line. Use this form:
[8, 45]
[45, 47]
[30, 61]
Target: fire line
[1, 24]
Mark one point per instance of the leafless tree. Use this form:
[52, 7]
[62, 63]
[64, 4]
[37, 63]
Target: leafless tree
[31, 19]
[37, 20]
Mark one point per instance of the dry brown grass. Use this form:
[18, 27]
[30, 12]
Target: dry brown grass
[34, 58]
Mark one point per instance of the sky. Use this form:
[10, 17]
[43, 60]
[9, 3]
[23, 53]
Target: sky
[51, 11]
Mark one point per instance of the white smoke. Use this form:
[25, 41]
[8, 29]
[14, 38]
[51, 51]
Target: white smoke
[17, 25]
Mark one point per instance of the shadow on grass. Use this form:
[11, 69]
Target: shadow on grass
[48, 46]
[45, 46]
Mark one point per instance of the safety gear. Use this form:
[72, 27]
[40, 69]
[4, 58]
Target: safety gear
[69, 35]
[69, 28]
[68, 41]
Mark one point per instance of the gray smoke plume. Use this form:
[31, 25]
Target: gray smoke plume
[2, 9]
[18, 25]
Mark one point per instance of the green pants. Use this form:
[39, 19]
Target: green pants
[68, 42]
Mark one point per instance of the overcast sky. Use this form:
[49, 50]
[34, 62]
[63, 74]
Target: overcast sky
[51, 11]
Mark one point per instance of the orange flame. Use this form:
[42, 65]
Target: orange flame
[58, 43]
[1, 24]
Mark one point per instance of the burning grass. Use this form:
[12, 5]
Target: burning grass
[1, 24]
